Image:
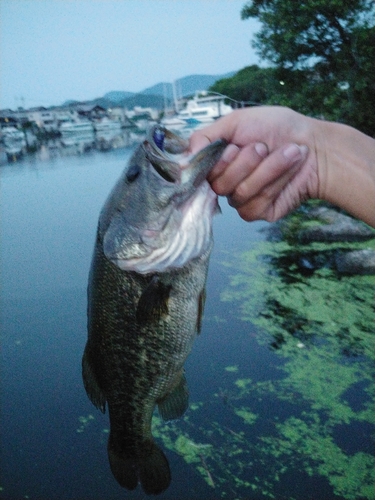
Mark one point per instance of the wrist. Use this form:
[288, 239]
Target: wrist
[346, 168]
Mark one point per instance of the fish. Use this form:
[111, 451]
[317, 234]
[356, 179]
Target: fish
[146, 295]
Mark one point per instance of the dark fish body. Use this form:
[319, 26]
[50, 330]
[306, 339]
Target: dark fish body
[145, 302]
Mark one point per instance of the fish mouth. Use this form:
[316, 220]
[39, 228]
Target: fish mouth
[167, 154]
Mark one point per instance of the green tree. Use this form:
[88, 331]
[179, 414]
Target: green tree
[252, 84]
[332, 45]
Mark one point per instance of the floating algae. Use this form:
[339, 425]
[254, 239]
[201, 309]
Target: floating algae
[231, 369]
[84, 422]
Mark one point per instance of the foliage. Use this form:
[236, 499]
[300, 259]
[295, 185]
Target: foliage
[251, 84]
[295, 32]
[322, 51]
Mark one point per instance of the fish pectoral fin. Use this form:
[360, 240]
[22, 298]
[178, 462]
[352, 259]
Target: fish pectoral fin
[90, 382]
[176, 402]
[201, 303]
[153, 303]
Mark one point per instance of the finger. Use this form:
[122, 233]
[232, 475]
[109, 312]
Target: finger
[265, 205]
[197, 142]
[229, 154]
[226, 176]
[223, 128]
[271, 176]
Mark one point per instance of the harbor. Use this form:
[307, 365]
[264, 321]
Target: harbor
[81, 127]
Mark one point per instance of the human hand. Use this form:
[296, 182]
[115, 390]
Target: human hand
[269, 167]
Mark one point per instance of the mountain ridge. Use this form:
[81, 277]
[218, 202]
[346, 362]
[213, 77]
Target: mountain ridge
[159, 95]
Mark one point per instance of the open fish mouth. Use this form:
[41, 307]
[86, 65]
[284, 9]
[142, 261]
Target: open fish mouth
[167, 154]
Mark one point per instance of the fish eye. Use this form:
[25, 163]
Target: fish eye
[132, 173]
[162, 172]
[159, 137]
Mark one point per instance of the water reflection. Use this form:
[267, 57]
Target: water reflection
[74, 139]
[17, 145]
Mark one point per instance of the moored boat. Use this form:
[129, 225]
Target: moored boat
[76, 127]
[204, 109]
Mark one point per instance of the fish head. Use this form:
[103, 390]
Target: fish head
[159, 214]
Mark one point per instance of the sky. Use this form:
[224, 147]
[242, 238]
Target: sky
[55, 50]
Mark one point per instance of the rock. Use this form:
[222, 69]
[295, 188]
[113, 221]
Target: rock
[337, 227]
[356, 262]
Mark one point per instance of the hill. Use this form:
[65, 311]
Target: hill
[160, 95]
[185, 86]
[117, 95]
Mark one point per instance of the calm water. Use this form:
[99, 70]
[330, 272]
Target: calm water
[269, 418]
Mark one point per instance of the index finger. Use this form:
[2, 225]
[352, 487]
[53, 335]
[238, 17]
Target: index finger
[198, 141]
[220, 129]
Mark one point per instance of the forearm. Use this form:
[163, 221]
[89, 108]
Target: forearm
[346, 160]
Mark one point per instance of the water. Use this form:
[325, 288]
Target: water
[280, 405]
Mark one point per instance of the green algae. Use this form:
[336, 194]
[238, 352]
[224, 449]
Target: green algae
[248, 416]
[309, 442]
[231, 369]
[84, 422]
[322, 325]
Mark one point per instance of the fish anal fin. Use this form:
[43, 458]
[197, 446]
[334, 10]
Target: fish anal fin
[201, 303]
[90, 383]
[176, 402]
[153, 303]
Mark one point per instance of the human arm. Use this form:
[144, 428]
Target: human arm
[278, 158]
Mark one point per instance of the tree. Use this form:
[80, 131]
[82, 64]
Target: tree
[330, 42]
[251, 84]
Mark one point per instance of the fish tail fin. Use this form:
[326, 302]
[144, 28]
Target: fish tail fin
[124, 470]
[154, 472]
[151, 468]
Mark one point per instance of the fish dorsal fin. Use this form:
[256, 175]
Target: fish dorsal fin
[153, 303]
[176, 402]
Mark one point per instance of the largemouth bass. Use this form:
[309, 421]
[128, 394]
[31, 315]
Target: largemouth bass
[145, 299]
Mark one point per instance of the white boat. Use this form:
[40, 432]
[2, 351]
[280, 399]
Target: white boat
[12, 135]
[204, 109]
[106, 125]
[172, 122]
[76, 128]
[14, 141]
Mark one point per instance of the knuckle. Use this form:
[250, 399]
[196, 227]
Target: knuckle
[240, 194]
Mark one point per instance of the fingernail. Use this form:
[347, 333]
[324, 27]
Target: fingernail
[261, 149]
[230, 153]
[293, 152]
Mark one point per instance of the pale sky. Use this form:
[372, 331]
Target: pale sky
[55, 50]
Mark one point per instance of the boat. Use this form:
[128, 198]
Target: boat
[107, 125]
[172, 122]
[76, 127]
[12, 134]
[14, 141]
[204, 109]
